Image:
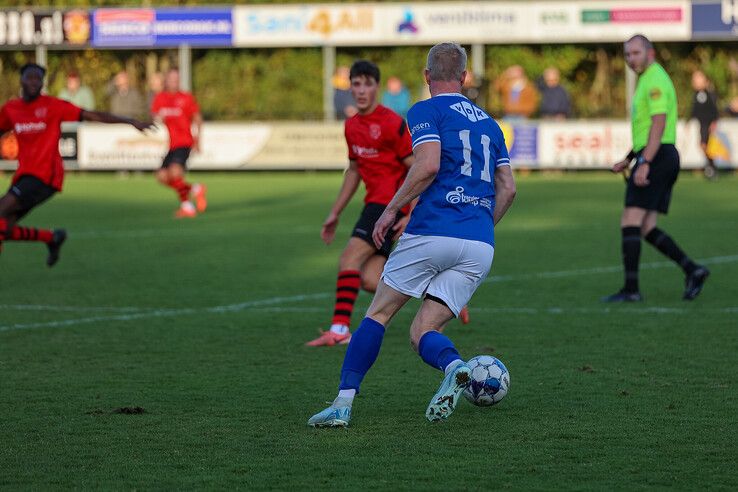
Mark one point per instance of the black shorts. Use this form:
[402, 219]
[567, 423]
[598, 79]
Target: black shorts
[30, 191]
[365, 226]
[662, 176]
[178, 155]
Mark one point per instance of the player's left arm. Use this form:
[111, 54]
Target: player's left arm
[101, 117]
[419, 178]
[504, 191]
[658, 124]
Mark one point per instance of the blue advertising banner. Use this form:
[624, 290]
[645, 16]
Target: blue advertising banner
[714, 19]
[120, 28]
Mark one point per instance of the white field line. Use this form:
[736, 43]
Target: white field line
[268, 304]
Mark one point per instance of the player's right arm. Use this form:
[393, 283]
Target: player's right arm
[101, 117]
[351, 181]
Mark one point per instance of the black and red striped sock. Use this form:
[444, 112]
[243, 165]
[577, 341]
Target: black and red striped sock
[182, 188]
[347, 290]
[20, 233]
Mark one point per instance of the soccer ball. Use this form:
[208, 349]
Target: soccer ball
[489, 381]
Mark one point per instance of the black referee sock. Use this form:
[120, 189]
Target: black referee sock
[664, 243]
[631, 256]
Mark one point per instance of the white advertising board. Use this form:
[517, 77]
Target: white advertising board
[368, 24]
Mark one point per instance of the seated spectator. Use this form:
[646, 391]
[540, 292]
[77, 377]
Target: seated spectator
[343, 101]
[396, 97]
[555, 101]
[124, 99]
[156, 85]
[76, 93]
[519, 96]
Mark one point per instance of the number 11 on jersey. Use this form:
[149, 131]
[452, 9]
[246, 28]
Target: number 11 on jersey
[466, 167]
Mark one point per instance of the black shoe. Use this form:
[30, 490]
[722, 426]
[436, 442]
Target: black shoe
[623, 296]
[694, 283]
[60, 235]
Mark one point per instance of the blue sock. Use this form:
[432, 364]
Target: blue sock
[437, 350]
[362, 351]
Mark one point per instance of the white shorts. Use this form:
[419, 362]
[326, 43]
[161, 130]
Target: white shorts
[448, 268]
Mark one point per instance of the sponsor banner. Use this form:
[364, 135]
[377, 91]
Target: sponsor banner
[599, 144]
[466, 22]
[225, 146]
[522, 142]
[307, 25]
[162, 27]
[611, 21]
[318, 145]
[714, 19]
[52, 28]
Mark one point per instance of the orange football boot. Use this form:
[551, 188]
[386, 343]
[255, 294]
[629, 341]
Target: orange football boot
[199, 192]
[329, 339]
[464, 315]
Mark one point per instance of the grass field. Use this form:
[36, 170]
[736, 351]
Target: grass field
[202, 324]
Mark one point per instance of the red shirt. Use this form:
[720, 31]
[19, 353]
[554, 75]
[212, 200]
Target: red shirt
[176, 109]
[379, 142]
[37, 126]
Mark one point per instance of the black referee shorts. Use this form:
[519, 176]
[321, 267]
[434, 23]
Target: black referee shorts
[662, 176]
[30, 192]
[365, 226]
[178, 155]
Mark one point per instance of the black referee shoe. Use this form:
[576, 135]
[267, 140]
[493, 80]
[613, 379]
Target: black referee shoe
[694, 283]
[623, 296]
[60, 235]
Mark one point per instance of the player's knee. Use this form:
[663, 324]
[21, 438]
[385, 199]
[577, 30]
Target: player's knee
[162, 176]
[369, 282]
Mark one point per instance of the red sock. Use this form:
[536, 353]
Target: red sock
[3, 229]
[182, 188]
[347, 290]
[20, 233]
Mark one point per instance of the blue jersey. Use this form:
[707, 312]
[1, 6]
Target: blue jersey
[460, 201]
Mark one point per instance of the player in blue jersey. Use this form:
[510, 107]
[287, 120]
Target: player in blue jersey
[463, 178]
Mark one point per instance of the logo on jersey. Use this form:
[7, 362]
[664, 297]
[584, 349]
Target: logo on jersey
[170, 112]
[375, 131]
[418, 127]
[41, 112]
[36, 127]
[458, 196]
[655, 93]
[473, 113]
[360, 151]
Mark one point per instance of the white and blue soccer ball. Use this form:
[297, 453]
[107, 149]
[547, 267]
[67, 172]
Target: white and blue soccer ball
[489, 381]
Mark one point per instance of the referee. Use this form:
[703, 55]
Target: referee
[653, 129]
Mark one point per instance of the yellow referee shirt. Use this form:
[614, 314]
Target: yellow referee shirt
[654, 94]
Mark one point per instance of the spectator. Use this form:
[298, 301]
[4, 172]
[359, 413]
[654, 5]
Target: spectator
[343, 101]
[124, 99]
[474, 89]
[156, 85]
[705, 111]
[555, 101]
[76, 93]
[519, 96]
[396, 97]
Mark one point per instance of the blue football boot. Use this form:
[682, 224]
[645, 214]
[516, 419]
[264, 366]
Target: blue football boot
[337, 415]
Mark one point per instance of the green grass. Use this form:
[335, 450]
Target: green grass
[602, 397]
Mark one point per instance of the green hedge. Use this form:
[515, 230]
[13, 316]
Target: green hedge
[239, 84]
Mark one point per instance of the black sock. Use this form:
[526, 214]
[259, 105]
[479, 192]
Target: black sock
[664, 243]
[631, 256]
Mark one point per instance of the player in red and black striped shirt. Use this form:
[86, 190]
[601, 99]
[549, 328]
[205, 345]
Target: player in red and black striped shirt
[36, 120]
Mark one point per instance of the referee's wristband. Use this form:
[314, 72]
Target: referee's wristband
[642, 160]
